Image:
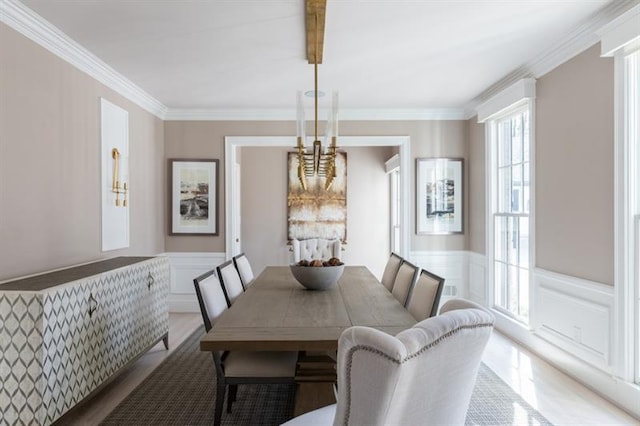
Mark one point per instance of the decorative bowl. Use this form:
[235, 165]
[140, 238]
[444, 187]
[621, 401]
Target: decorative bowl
[317, 277]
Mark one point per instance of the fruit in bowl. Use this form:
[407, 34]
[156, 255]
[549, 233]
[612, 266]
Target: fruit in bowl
[316, 274]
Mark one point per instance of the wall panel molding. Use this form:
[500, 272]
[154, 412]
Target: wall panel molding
[184, 268]
[478, 278]
[576, 315]
[450, 265]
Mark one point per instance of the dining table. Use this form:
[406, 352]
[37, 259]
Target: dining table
[276, 313]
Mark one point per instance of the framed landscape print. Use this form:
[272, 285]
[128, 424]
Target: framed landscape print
[439, 195]
[194, 197]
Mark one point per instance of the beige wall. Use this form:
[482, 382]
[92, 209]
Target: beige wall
[264, 206]
[50, 201]
[205, 139]
[440, 139]
[574, 168]
[476, 188]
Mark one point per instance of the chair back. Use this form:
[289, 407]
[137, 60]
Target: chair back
[405, 279]
[315, 248]
[244, 269]
[424, 375]
[391, 270]
[231, 282]
[425, 297]
[211, 297]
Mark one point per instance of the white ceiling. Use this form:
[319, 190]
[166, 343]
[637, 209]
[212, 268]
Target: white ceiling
[250, 54]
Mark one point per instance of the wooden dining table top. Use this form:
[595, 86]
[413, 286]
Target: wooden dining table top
[277, 314]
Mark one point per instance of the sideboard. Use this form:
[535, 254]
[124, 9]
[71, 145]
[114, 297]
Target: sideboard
[64, 334]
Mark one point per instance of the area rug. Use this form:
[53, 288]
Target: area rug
[181, 391]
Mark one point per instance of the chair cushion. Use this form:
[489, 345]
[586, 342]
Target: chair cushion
[423, 297]
[260, 364]
[321, 416]
[231, 282]
[244, 269]
[390, 271]
[212, 297]
[403, 282]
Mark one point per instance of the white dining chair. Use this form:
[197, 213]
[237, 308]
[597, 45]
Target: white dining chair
[391, 270]
[238, 367]
[244, 269]
[423, 376]
[230, 280]
[315, 248]
[405, 279]
[424, 298]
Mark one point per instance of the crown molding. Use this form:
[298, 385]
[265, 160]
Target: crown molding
[28, 23]
[577, 41]
[187, 114]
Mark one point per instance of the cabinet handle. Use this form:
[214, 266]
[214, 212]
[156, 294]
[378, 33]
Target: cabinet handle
[150, 281]
[93, 305]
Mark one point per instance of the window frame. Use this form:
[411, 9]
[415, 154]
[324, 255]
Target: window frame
[491, 185]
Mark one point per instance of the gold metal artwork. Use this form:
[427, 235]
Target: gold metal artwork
[118, 187]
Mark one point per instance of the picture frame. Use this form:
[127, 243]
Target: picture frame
[439, 196]
[193, 185]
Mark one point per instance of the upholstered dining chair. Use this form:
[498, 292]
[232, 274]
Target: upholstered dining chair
[405, 279]
[425, 296]
[391, 270]
[244, 269]
[315, 248]
[423, 376]
[238, 367]
[230, 280]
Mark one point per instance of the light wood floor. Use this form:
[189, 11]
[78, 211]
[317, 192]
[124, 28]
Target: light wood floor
[562, 400]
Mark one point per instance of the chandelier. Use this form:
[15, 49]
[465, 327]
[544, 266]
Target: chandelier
[316, 161]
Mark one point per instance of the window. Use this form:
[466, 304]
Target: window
[512, 190]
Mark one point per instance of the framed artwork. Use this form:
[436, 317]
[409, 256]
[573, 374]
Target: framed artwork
[439, 195]
[194, 197]
[317, 213]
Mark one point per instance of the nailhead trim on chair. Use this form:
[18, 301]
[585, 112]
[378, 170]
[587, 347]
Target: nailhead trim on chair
[395, 361]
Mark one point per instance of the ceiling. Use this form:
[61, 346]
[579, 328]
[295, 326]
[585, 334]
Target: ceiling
[250, 54]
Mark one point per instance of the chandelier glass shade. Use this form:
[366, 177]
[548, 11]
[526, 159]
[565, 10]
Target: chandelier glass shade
[317, 161]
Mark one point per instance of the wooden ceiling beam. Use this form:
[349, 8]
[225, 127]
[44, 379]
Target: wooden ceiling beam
[315, 8]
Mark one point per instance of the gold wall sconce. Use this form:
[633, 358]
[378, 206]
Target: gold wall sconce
[118, 187]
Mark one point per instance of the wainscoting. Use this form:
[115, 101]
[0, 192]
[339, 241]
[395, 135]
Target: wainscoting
[571, 327]
[184, 268]
[450, 265]
[576, 315]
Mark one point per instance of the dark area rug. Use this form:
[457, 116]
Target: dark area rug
[181, 391]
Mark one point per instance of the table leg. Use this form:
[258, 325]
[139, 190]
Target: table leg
[315, 378]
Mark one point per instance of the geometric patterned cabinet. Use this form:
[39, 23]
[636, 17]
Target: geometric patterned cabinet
[65, 334]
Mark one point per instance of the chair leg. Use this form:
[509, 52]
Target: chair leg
[231, 398]
[217, 419]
